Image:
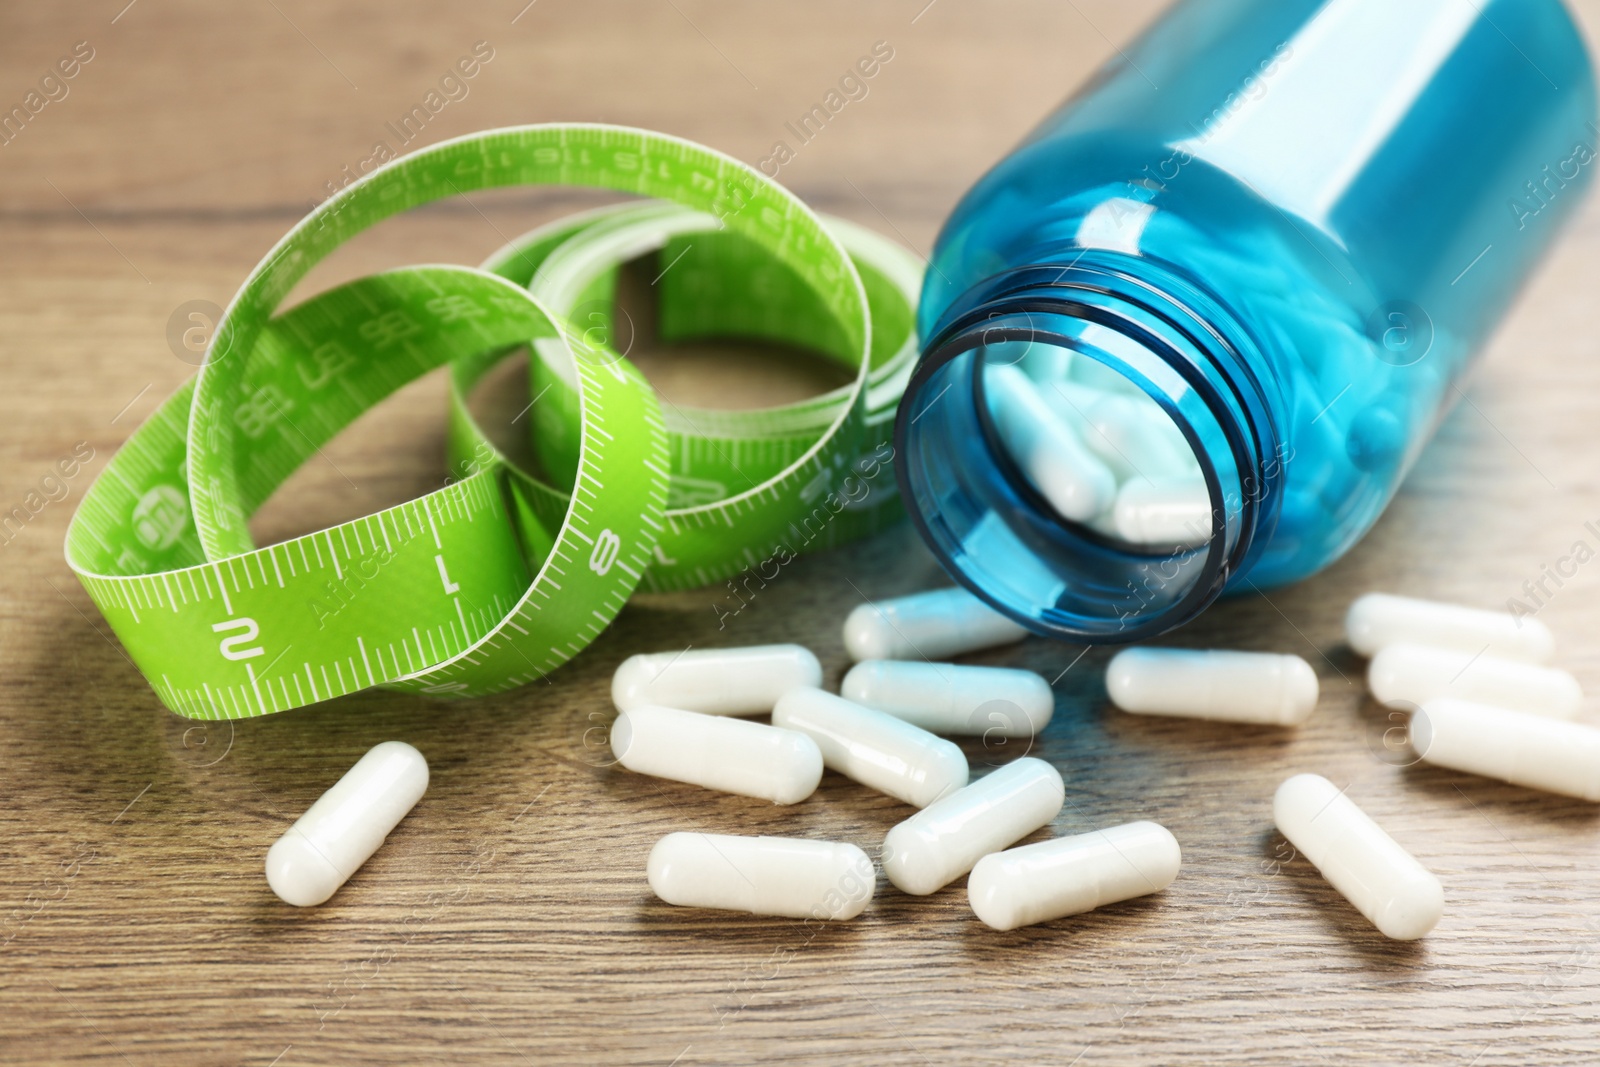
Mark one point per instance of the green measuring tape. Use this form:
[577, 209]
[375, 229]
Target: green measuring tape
[505, 573]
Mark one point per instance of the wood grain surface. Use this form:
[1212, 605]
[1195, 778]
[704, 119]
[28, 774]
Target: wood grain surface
[507, 920]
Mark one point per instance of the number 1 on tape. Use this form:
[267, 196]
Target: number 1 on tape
[486, 583]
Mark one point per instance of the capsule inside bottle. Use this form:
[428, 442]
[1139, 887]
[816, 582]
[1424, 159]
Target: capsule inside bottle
[1099, 451]
[1083, 508]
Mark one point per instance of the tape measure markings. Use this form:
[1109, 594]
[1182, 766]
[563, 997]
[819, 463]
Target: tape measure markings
[497, 578]
[561, 270]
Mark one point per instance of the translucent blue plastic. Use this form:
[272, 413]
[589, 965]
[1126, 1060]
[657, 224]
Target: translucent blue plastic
[1290, 223]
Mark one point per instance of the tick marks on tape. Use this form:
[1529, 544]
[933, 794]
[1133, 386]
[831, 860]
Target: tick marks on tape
[852, 494]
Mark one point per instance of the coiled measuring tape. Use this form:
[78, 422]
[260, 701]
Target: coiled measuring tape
[504, 573]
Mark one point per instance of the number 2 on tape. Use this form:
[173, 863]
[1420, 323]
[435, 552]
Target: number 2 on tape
[488, 582]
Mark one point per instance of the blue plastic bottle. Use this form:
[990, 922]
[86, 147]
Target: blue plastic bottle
[1291, 224]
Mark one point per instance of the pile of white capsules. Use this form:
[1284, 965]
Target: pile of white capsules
[1481, 701]
[1097, 448]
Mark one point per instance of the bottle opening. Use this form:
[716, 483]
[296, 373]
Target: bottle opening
[1094, 446]
[1085, 479]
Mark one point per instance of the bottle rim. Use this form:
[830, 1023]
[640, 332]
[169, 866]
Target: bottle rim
[1194, 360]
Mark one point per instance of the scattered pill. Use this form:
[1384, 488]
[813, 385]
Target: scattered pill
[1526, 750]
[1378, 619]
[1407, 676]
[331, 841]
[941, 842]
[1166, 511]
[1384, 881]
[932, 625]
[1070, 477]
[950, 698]
[716, 681]
[873, 747]
[1253, 687]
[1053, 879]
[786, 876]
[728, 755]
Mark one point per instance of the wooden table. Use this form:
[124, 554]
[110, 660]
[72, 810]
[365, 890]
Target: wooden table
[508, 919]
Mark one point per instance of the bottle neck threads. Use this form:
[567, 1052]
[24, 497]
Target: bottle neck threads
[989, 524]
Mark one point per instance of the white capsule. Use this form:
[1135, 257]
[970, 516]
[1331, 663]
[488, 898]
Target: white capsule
[716, 681]
[1130, 433]
[1105, 524]
[1070, 875]
[1071, 478]
[728, 755]
[1254, 687]
[1046, 363]
[874, 748]
[949, 698]
[331, 841]
[1378, 619]
[1096, 375]
[1384, 881]
[786, 876]
[1406, 676]
[941, 842]
[1526, 750]
[932, 625]
[1169, 511]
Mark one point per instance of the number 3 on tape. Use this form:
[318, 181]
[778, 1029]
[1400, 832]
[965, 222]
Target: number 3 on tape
[482, 585]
